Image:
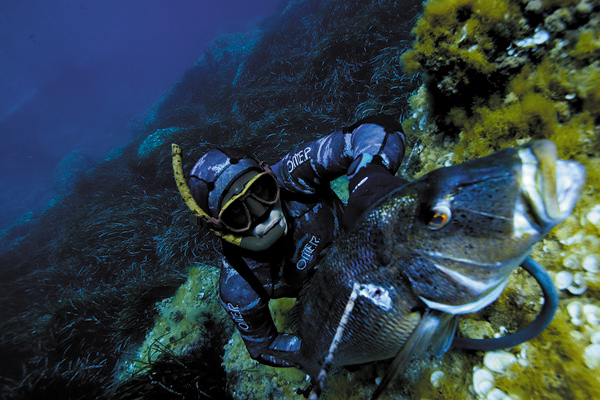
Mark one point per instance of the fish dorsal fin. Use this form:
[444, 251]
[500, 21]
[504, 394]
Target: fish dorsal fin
[436, 329]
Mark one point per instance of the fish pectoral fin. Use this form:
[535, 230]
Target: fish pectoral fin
[435, 330]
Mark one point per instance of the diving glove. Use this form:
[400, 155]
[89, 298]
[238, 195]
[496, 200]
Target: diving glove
[285, 344]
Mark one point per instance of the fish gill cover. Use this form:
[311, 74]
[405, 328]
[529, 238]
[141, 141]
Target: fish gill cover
[111, 292]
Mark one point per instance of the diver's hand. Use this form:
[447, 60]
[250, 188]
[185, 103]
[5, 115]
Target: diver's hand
[279, 352]
[388, 122]
[363, 161]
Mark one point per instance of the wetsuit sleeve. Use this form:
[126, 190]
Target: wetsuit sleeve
[252, 317]
[313, 165]
[366, 187]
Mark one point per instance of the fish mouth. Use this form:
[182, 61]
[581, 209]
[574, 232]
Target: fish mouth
[550, 187]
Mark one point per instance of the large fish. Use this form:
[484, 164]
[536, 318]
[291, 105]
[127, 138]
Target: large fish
[442, 245]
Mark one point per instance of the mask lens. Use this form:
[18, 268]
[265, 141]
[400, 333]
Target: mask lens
[236, 216]
[265, 189]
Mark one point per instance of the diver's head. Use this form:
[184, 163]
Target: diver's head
[242, 197]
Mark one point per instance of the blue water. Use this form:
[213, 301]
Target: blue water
[75, 76]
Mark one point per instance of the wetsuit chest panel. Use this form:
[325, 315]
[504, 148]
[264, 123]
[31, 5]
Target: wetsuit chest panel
[313, 231]
[283, 270]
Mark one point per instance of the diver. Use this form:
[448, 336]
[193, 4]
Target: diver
[274, 221]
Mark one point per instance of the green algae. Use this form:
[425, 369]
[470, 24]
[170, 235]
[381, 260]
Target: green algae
[180, 325]
[555, 368]
[547, 91]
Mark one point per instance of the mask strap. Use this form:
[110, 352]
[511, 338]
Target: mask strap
[186, 194]
[266, 167]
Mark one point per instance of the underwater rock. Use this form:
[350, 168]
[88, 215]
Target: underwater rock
[499, 361]
[540, 37]
[484, 92]
[180, 324]
[500, 107]
[160, 137]
[483, 381]
[591, 355]
[71, 168]
[435, 378]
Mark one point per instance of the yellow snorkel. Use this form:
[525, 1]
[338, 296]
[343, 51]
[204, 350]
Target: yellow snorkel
[184, 191]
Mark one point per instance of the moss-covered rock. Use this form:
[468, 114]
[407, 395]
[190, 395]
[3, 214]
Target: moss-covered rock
[537, 80]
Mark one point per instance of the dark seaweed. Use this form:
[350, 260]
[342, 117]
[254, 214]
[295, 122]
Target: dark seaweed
[78, 284]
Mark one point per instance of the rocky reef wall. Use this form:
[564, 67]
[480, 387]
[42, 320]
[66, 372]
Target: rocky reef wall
[111, 293]
[498, 74]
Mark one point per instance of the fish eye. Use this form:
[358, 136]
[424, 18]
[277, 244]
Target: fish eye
[440, 217]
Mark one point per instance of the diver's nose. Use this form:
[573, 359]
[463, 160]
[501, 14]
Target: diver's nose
[256, 208]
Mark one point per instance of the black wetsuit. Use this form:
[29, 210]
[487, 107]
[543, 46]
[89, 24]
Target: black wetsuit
[315, 217]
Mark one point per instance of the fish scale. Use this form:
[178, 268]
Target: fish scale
[350, 260]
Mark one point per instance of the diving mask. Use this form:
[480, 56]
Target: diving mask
[237, 214]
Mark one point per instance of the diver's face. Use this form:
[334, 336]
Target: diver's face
[272, 227]
[252, 209]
